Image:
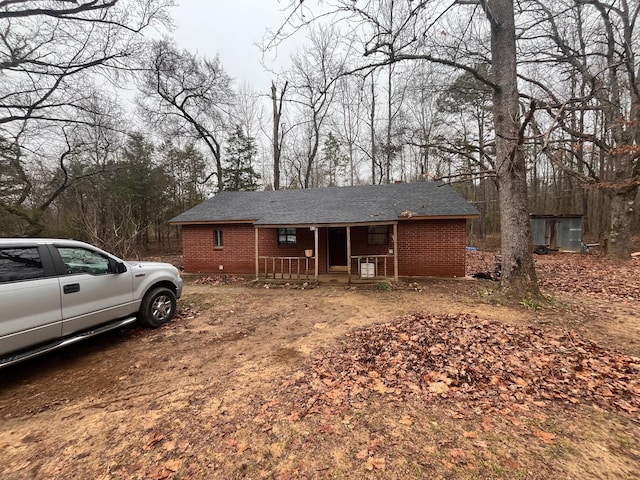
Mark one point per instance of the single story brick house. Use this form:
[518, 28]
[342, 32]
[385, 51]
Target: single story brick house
[368, 231]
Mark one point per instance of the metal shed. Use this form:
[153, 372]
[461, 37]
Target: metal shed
[556, 232]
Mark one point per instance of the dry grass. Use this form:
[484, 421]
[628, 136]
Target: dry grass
[206, 397]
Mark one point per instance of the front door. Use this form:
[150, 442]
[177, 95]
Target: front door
[337, 249]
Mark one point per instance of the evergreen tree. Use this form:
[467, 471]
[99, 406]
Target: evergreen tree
[238, 173]
[334, 161]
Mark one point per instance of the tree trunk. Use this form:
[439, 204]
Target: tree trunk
[619, 246]
[373, 132]
[311, 158]
[518, 272]
[217, 154]
[276, 135]
[277, 140]
[389, 157]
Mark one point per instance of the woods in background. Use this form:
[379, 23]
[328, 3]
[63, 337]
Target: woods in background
[390, 91]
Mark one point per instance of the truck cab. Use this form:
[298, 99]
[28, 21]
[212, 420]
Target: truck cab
[56, 291]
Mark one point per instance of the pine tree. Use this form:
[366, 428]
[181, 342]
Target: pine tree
[334, 161]
[238, 174]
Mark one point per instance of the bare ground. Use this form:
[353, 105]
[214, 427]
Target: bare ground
[211, 395]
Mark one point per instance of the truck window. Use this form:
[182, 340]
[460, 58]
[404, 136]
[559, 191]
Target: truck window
[20, 263]
[80, 260]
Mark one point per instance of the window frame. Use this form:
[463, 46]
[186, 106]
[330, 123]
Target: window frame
[290, 235]
[42, 269]
[81, 266]
[218, 239]
[376, 236]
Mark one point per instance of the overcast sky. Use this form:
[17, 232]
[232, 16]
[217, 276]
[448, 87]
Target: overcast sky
[232, 29]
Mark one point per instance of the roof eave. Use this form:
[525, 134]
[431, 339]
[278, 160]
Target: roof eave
[211, 222]
[469, 216]
[327, 224]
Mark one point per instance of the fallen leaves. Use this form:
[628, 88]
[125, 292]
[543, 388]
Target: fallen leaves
[406, 421]
[569, 273]
[157, 438]
[546, 437]
[173, 465]
[592, 276]
[475, 365]
[378, 463]
[186, 313]
[438, 387]
[220, 280]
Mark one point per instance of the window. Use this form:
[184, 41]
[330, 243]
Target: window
[286, 236]
[378, 235]
[80, 260]
[20, 263]
[217, 239]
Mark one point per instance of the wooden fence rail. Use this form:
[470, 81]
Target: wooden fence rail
[291, 268]
[381, 265]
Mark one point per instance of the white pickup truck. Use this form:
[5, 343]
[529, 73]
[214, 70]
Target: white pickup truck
[55, 292]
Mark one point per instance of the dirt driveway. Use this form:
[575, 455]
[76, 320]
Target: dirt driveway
[203, 397]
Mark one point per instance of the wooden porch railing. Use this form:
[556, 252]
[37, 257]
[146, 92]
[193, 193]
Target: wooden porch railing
[383, 266]
[287, 268]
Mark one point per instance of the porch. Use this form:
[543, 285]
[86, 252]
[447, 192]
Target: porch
[342, 253]
[366, 269]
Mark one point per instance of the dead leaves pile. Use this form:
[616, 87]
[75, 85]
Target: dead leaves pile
[592, 276]
[479, 261]
[220, 280]
[471, 365]
[576, 274]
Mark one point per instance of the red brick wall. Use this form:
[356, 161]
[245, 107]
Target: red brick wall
[432, 248]
[268, 241]
[360, 242]
[237, 254]
[425, 247]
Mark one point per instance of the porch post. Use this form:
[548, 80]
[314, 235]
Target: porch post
[257, 254]
[315, 239]
[348, 254]
[395, 252]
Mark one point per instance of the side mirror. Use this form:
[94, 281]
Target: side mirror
[120, 267]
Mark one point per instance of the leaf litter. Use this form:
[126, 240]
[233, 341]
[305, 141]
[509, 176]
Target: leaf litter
[413, 361]
[473, 366]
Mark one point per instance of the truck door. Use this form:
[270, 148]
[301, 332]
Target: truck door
[92, 292]
[30, 298]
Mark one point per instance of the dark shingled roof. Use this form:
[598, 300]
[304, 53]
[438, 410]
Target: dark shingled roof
[332, 205]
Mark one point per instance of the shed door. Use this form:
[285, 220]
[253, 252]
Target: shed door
[337, 248]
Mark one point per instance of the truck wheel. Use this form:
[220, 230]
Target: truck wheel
[157, 308]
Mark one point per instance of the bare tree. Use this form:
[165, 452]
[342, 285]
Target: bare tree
[347, 120]
[182, 94]
[277, 138]
[49, 51]
[519, 275]
[247, 109]
[74, 152]
[421, 23]
[589, 50]
[312, 89]
[52, 56]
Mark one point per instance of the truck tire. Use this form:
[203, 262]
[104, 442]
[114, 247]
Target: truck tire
[157, 308]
